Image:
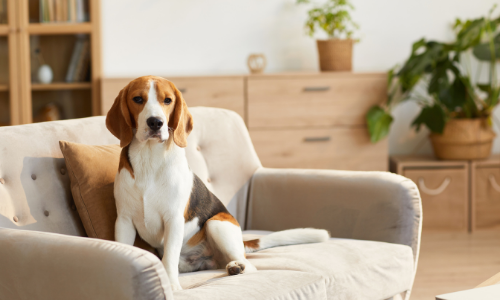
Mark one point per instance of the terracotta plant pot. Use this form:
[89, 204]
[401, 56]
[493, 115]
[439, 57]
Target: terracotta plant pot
[464, 139]
[335, 55]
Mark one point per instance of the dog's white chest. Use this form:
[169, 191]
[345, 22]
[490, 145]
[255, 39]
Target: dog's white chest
[159, 192]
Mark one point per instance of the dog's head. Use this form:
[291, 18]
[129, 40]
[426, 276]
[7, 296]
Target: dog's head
[150, 107]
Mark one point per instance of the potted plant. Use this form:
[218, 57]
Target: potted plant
[456, 107]
[335, 53]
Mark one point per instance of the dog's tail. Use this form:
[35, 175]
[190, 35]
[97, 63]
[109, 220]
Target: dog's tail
[287, 237]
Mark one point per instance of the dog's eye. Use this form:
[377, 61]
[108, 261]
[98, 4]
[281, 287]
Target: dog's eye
[167, 101]
[138, 100]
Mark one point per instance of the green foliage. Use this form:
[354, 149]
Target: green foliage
[379, 122]
[483, 51]
[433, 117]
[332, 17]
[437, 76]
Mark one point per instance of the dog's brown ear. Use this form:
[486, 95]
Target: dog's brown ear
[118, 119]
[181, 120]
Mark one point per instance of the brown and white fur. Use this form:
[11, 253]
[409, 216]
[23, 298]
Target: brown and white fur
[158, 196]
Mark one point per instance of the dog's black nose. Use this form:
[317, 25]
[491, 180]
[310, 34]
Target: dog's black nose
[154, 123]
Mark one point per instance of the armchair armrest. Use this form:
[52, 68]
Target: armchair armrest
[377, 206]
[40, 265]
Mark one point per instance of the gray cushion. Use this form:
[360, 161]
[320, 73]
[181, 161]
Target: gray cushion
[350, 269]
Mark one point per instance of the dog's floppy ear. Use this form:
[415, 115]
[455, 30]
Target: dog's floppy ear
[118, 119]
[181, 120]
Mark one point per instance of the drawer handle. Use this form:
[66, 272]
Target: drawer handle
[494, 183]
[316, 88]
[317, 139]
[182, 90]
[433, 192]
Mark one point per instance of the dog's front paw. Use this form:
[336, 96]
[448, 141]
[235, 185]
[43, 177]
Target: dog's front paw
[235, 268]
[238, 267]
[176, 287]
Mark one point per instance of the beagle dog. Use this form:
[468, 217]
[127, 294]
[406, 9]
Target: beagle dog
[159, 197]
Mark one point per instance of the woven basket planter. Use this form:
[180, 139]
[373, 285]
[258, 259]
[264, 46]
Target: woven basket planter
[335, 55]
[464, 139]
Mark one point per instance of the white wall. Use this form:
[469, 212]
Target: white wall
[197, 37]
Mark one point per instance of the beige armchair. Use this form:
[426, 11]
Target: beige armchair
[374, 219]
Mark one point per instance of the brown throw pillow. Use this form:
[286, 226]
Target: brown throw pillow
[92, 171]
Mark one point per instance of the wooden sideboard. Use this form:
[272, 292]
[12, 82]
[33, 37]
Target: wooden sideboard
[300, 120]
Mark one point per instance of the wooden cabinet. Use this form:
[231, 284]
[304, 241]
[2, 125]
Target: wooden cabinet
[316, 120]
[485, 185]
[24, 35]
[455, 194]
[303, 120]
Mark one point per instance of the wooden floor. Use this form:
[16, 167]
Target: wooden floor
[452, 261]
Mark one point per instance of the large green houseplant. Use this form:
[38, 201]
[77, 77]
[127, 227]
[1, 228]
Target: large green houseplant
[333, 17]
[456, 108]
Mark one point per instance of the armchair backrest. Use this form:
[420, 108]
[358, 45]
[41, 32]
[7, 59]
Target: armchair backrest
[35, 190]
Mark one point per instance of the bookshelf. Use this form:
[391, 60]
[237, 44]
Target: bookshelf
[37, 32]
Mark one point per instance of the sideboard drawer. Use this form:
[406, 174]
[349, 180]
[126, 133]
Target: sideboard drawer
[218, 92]
[340, 148]
[444, 194]
[313, 100]
[486, 197]
[222, 92]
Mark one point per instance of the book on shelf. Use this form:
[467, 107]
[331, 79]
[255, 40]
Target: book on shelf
[79, 64]
[63, 11]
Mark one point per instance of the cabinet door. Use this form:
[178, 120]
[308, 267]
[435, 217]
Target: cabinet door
[444, 194]
[486, 202]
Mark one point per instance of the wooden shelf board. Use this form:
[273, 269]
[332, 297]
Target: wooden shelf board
[4, 29]
[61, 86]
[59, 28]
[4, 87]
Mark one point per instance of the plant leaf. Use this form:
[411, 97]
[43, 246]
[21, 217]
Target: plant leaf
[470, 34]
[493, 98]
[379, 122]
[417, 45]
[483, 52]
[433, 117]
[485, 88]
[419, 64]
[453, 96]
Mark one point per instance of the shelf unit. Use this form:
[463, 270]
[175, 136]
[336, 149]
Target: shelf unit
[60, 86]
[58, 28]
[20, 94]
[8, 75]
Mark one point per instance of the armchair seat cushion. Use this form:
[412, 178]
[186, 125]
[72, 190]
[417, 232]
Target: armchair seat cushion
[266, 284]
[349, 269]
